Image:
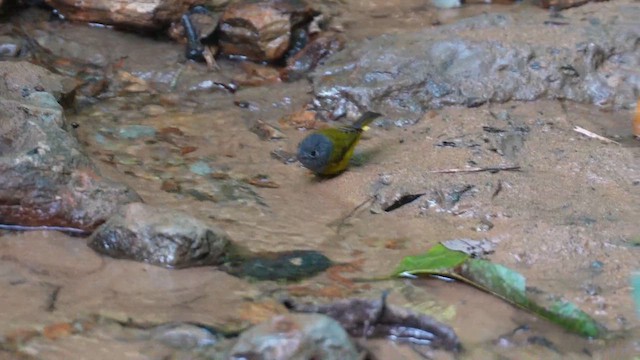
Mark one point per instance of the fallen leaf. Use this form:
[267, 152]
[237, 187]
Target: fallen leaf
[636, 121]
[170, 186]
[266, 131]
[257, 312]
[170, 130]
[56, 331]
[335, 272]
[502, 282]
[132, 83]
[262, 181]
[303, 119]
[187, 150]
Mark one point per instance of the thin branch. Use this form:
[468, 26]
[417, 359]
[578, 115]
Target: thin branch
[491, 169]
[593, 135]
[341, 222]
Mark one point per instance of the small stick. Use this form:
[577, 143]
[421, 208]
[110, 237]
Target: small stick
[53, 298]
[12, 227]
[497, 190]
[593, 135]
[343, 221]
[492, 169]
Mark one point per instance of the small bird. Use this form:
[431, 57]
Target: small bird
[327, 152]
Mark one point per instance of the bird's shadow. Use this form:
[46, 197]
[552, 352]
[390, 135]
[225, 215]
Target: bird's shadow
[361, 158]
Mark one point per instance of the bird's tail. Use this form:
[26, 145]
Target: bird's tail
[365, 119]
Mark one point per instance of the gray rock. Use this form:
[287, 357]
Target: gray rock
[200, 168]
[45, 179]
[183, 336]
[135, 131]
[295, 337]
[10, 46]
[446, 4]
[20, 79]
[490, 58]
[158, 236]
[225, 191]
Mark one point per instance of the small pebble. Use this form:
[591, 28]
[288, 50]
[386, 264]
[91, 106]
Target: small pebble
[154, 110]
[169, 99]
[592, 289]
[200, 168]
[135, 131]
[386, 179]
[9, 47]
[596, 266]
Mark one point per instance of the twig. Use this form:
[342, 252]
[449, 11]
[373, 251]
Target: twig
[53, 298]
[497, 190]
[593, 135]
[491, 169]
[343, 220]
[72, 230]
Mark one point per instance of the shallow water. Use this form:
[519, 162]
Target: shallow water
[574, 203]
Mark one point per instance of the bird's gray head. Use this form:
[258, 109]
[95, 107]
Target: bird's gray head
[314, 152]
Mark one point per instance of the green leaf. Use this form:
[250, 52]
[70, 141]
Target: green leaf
[570, 317]
[505, 283]
[635, 284]
[438, 260]
[497, 279]
[511, 286]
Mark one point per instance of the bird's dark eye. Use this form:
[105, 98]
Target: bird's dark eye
[314, 153]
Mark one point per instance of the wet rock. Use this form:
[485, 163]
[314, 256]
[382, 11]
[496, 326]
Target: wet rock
[256, 75]
[9, 46]
[295, 337]
[288, 265]
[261, 30]
[135, 131]
[200, 168]
[203, 24]
[141, 15]
[158, 236]
[375, 318]
[323, 46]
[224, 191]
[446, 4]
[154, 110]
[407, 74]
[266, 131]
[21, 79]
[218, 4]
[564, 4]
[183, 336]
[45, 179]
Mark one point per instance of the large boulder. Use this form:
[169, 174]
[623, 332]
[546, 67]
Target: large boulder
[589, 56]
[140, 14]
[45, 178]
